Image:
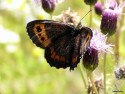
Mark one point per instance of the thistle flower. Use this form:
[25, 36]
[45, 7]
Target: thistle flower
[111, 4]
[98, 8]
[68, 17]
[90, 2]
[120, 72]
[90, 59]
[49, 5]
[97, 46]
[109, 18]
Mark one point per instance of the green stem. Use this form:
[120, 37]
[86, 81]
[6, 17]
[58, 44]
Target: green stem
[83, 77]
[105, 73]
[93, 84]
[117, 44]
[50, 16]
[117, 47]
[91, 16]
[117, 40]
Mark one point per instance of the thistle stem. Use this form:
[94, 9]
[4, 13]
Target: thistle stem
[91, 16]
[117, 40]
[93, 84]
[51, 16]
[83, 77]
[117, 47]
[105, 58]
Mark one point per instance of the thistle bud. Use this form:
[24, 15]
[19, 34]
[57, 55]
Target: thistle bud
[90, 59]
[109, 17]
[48, 5]
[90, 2]
[98, 8]
[109, 22]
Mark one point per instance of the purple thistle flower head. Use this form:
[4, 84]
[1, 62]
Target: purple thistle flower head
[109, 18]
[90, 59]
[97, 46]
[98, 42]
[49, 5]
[98, 8]
[90, 2]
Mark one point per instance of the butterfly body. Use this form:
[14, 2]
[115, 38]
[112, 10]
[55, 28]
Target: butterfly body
[63, 43]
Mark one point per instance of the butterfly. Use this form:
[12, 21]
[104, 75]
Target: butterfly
[63, 43]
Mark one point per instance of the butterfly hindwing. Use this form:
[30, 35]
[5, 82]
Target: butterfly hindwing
[58, 53]
[43, 32]
[65, 52]
[86, 34]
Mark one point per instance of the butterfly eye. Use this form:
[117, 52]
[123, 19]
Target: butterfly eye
[38, 29]
[42, 38]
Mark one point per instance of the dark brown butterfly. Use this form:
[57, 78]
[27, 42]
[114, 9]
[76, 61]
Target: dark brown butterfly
[63, 43]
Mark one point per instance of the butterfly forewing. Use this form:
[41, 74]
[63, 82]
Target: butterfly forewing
[43, 32]
[86, 35]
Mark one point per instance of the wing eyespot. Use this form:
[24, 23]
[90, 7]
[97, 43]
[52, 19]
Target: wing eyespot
[39, 34]
[62, 60]
[42, 39]
[56, 58]
[38, 29]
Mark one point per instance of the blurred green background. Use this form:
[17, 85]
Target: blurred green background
[23, 68]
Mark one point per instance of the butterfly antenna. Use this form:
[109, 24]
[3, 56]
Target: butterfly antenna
[82, 18]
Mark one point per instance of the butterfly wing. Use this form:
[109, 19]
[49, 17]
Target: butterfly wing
[65, 52]
[86, 36]
[80, 45]
[44, 32]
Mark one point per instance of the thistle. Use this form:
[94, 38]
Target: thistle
[110, 17]
[97, 46]
[90, 2]
[49, 5]
[90, 59]
[68, 17]
[99, 8]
